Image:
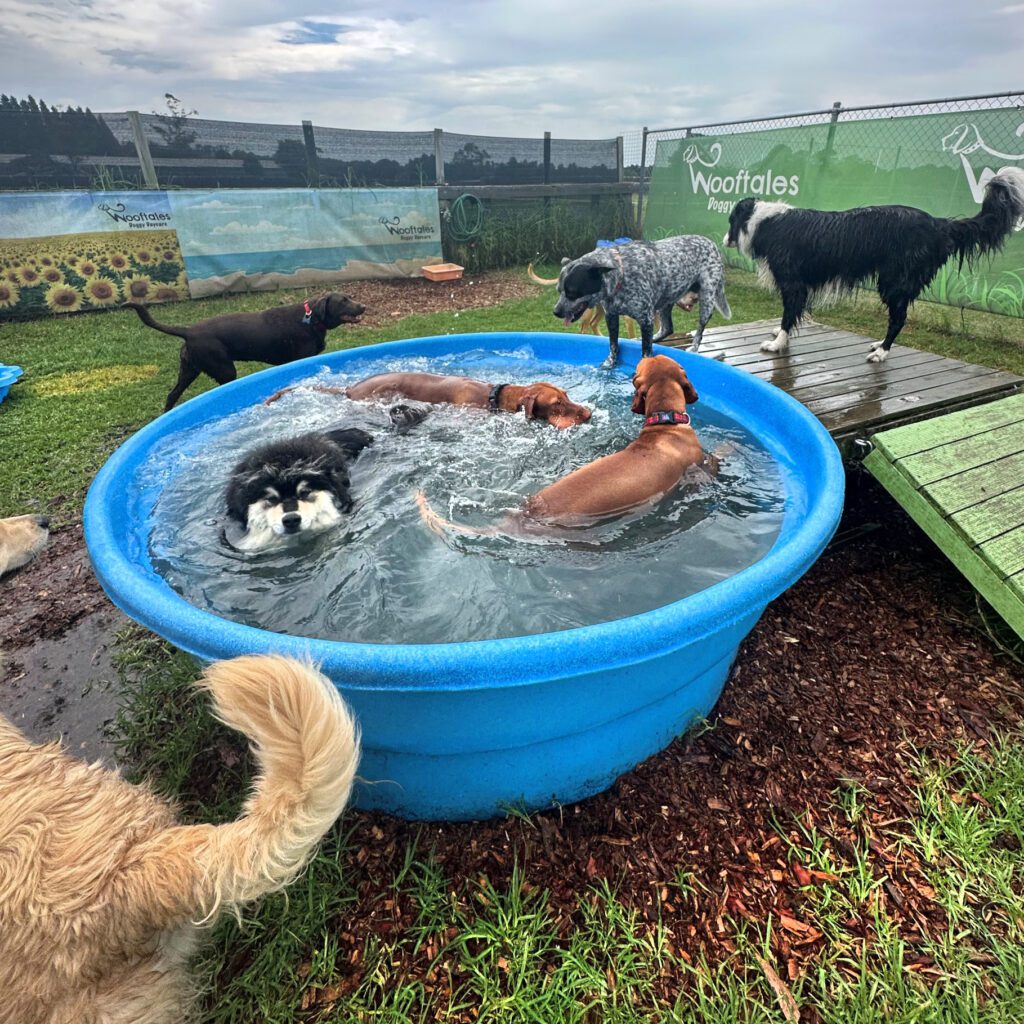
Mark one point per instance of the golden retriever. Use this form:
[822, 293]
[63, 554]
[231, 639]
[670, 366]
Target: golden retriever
[103, 892]
[21, 539]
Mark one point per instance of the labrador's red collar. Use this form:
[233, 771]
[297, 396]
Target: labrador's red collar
[310, 315]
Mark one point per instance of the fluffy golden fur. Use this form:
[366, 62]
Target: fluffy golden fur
[102, 892]
[21, 539]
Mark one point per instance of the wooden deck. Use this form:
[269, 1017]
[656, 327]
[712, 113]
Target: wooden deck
[961, 478]
[827, 370]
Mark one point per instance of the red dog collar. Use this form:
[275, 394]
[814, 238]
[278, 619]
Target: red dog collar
[657, 418]
[308, 310]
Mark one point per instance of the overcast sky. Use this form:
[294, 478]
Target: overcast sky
[590, 69]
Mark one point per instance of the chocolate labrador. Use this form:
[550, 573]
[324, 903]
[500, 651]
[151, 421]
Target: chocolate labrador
[275, 336]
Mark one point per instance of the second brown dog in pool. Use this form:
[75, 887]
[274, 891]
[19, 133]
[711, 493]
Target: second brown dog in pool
[539, 401]
[645, 470]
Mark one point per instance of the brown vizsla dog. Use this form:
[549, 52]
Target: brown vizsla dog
[644, 470]
[540, 401]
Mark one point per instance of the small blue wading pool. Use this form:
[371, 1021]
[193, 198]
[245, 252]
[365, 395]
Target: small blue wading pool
[467, 730]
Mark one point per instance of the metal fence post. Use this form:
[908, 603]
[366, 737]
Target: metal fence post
[620, 170]
[438, 156]
[833, 120]
[142, 148]
[640, 187]
[312, 160]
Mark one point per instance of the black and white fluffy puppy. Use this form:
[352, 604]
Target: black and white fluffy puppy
[293, 487]
[812, 256]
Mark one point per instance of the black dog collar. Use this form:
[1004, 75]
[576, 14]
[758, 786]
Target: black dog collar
[495, 394]
[657, 418]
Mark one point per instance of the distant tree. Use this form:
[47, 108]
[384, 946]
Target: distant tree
[173, 127]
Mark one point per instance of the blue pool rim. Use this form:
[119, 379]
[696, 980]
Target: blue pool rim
[470, 675]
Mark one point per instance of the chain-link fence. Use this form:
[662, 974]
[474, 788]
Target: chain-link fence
[817, 131]
[45, 148]
[936, 155]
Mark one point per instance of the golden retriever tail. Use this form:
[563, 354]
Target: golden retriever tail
[539, 280]
[307, 746]
[441, 526]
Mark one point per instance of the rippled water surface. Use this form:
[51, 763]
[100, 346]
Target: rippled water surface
[383, 577]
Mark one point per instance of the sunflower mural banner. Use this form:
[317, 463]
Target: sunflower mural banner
[61, 252]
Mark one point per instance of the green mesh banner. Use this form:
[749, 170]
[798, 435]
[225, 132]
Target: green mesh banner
[936, 162]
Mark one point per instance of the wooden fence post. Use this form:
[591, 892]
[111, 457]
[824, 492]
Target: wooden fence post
[142, 148]
[438, 156]
[312, 160]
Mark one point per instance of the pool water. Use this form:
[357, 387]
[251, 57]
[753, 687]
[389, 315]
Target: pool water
[383, 577]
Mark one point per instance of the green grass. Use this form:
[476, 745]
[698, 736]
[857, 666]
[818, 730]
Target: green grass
[467, 949]
[91, 380]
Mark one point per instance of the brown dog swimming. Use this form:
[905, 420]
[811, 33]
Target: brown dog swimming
[539, 401]
[649, 467]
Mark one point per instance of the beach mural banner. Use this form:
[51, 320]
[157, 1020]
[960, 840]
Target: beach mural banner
[241, 240]
[65, 251]
[61, 252]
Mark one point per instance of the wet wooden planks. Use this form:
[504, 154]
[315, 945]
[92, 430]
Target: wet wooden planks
[961, 478]
[827, 370]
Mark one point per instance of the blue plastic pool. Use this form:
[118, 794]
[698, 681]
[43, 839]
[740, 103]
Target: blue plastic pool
[462, 731]
[8, 375]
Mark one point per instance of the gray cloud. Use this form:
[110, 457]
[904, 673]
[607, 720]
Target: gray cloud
[500, 68]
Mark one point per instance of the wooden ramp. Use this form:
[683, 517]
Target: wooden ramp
[961, 478]
[827, 370]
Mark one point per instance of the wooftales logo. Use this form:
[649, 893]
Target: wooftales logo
[406, 232]
[965, 139]
[140, 219]
[743, 183]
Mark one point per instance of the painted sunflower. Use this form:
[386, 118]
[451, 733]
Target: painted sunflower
[144, 257]
[118, 261]
[9, 295]
[62, 298]
[101, 292]
[87, 268]
[138, 288]
[169, 256]
[166, 293]
[52, 275]
[28, 276]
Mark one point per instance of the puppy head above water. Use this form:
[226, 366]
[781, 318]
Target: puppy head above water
[290, 488]
[543, 401]
[333, 308]
[660, 377]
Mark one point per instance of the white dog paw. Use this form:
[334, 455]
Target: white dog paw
[878, 354]
[779, 343]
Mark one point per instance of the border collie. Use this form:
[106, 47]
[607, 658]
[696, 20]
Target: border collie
[293, 487]
[809, 255]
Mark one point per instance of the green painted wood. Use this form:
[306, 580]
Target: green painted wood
[989, 516]
[1006, 600]
[932, 433]
[958, 455]
[1016, 584]
[966, 489]
[1005, 553]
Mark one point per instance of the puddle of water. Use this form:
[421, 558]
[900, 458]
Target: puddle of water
[67, 688]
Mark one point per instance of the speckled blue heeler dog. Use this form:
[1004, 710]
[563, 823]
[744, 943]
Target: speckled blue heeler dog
[641, 279]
